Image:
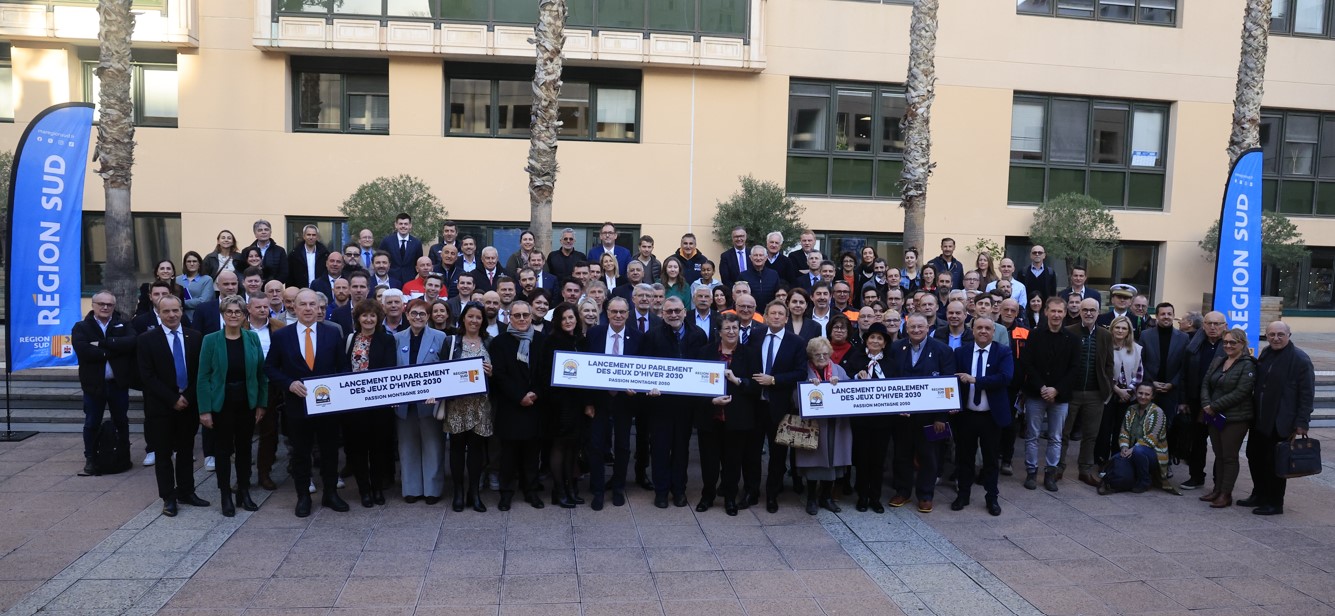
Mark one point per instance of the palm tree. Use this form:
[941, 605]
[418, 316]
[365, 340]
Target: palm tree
[115, 145]
[920, 91]
[1251, 80]
[549, 38]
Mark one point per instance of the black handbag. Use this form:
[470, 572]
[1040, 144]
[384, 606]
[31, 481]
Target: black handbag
[1297, 457]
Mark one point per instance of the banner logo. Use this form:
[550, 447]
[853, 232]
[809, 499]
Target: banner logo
[570, 368]
[62, 346]
[815, 399]
[322, 395]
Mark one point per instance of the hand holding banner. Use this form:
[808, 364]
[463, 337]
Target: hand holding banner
[642, 374]
[394, 386]
[931, 394]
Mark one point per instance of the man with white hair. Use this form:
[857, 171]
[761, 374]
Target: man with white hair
[490, 270]
[776, 260]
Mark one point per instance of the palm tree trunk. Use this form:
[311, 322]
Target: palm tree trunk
[920, 91]
[115, 147]
[546, 123]
[1251, 80]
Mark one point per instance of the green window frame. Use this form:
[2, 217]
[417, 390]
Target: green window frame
[154, 86]
[156, 237]
[845, 139]
[1131, 262]
[1145, 12]
[1298, 176]
[1112, 150]
[1303, 18]
[495, 101]
[340, 95]
[1305, 288]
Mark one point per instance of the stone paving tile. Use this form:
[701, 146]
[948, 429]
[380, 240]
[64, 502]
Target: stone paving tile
[763, 584]
[521, 562]
[1063, 600]
[682, 559]
[611, 560]
[688, 586]
[673, 536]
[321, 592]
[787, 606]
[100, 595]
[750, 558]
[456, 590]
[975, 602]
[614, 536]
[559, 588]
[933, 578]
[135, 565]
[1198, 594]
[392, 564]
[206, 593]
[365, 592]
[719, 607]
[632, 608]
[617, 587]
[467, 562]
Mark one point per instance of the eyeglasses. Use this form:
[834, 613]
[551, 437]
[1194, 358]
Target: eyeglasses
[1036, 252]
[1231, 343]
[417, 313]
[105, 304]
[520, 315]
[820, 354]
[673, 310]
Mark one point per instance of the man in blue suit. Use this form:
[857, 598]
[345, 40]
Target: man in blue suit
[918, 355]
[403, 248]
[783, 361]
[307, 349]
[986, 372]
[612, 410]
[607, 238]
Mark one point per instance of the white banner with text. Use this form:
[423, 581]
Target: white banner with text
[641, 374]
[928, 394]
[391, 386]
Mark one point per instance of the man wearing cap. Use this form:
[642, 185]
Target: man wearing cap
[1121, 307]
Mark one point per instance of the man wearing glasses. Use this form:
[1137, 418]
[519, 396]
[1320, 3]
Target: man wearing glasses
[1093, 385]
[104, 345]
[1038, 278]
[607, 238]
[1285, 386]
[670, 416]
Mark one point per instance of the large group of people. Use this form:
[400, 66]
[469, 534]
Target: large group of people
[229, 342]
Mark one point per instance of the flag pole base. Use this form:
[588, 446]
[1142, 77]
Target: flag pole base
[14, 436]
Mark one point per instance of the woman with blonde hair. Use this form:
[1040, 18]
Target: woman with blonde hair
[1127, 373]
[1226, 404]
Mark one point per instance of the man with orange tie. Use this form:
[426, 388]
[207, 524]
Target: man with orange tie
[303, 350]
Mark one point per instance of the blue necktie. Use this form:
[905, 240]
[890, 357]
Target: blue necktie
[178, 353]
[366, 259]
[978, 372]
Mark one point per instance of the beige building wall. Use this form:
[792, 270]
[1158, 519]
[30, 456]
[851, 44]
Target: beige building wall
[234, 157]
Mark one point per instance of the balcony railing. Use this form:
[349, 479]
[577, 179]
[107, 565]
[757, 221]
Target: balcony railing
[171, 22]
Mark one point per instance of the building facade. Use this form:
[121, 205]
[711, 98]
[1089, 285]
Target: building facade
[280, 109]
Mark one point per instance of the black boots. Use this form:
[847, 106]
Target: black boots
[561, 498]
[813, 506]
[827, 497]
[228, 507]
[243, 499]
[458, 503]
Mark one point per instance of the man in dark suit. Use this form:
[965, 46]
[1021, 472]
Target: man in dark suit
[207, 317]
[1164, 360]
[986, 369]
[1038, 278]
[1121, 307]
[764, 280]
[359, 288]
[735, 260]
[918, 355]
[777, 261]
[462, 295]
[1078, 277]
[306, 349]
[306, 263]
[783, 361]
[613, 411]
[105, 347]
[1283, 397]
[380, 273]
[801, 258]
[273, 257]
[333, 265]
[402, 247]
[702, 314]
[489, 270]
[956, 334]
[168, 365]
[670, 417]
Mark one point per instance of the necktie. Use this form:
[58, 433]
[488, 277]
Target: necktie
[616, 344]
[746, 333]
[310, 350]
[178, 354]
[403, 250]
[978, 372]
[741, 261]
[773, 341]
[643, 327]
[366, 259]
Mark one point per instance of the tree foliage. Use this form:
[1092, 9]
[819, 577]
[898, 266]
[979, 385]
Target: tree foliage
[6, 167]
[989, 246]
[1075, 227]
[1281, 243]
[375, 204]
[759, 207]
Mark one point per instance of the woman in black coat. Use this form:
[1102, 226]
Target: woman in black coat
[871, 433]
[516, 377]
[569, 423]
[727, 428]
[368, 434]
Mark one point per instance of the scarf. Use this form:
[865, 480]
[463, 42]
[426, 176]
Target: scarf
[874, 365]
[824, 373]
[525, 338]
[838, 350]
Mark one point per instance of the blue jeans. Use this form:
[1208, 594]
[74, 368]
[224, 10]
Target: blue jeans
[1039, 413]
[1131, 472]
[94, 409]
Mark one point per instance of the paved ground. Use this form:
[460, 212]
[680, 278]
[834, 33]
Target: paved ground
[99, 545]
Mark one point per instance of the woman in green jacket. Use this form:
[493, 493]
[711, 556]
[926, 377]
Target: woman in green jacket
[1227, 392]
[233, 393]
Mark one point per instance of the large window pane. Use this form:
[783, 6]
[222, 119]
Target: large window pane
[1135, 266]
[470, 106]
[1321, 281]
[1279, 16]
[1270, 143]
[320, 101]
[672, 15]
[1147, 137]
[160, 88]
[1042, 7]
[852, 178]
[1075, 8]
[616, 113]
[892, 112]
[852, 121]
[514, 103]
[368, 102]
[357, 7]
[1300, 137]
[1027, 130]
[516, 12]
[1158, 11]
[1026, 185]
[723, 16]
[1146, 191]
[1109, 134]
[409, 8]
[573, 108]
[808, 176]
[581, 13]
[1070, 131]
[888, 173]
[1108, 187]
[1269, 195]
[156, 237]
[1117, 10]
[1327, 169]
[621, 13]
[7, 92]
[1309, 17]
[1295, 197]
[1325, 199]
[304, 6]
[807, 119]
[1062, 181]
[465, 9]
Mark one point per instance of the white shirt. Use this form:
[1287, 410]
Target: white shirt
[702, 321]
[973, 370]
[1018, 292]
[310, 267]
[822, 319]
[612, 337]
[772, 339]
[263, 332]
[468, 265]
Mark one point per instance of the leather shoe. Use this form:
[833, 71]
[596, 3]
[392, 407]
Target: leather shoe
[730, 506]
[1268, 510]
[644, 482]
[89, 469]
[1250, 501]
[1089, 479]
[169, 508]
[244, 501]
[506, 498]
[331, 500]
[431, 500]
[303, 505]
[679, 500]
[704, 504]
[410, 499]
[899, 501]
[752, 499]
[876, 506]
[994, 508]
[959, 503]
[228, 507]
[1224, 500]
[268, 483]
[661, 501]
[924, 506]
[1211, 495]
[618, 498]
[830, 505]
[193, 500]
[597, 504]
[772, 504]
[863, 503]
[367, 501]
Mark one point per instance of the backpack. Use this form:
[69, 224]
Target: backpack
[110, 455]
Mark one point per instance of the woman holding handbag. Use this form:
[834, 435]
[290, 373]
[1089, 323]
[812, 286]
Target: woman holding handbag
[1226, 404]
[368, 434]
[834, 452]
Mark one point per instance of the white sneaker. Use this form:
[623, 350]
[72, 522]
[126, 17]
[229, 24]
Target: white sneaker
[312, 487]
[341, 484]
[150, 459]
[210, 463]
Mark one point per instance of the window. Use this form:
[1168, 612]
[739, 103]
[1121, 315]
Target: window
[1111, 150]
[156, 237]
[844, 140]
[1302, 17]
[489, 100]
[334, 231]
[340, 95]
[1155, 12]
[831, 244]
[6, 85]
[1299, 167]
[1306, 286]
[153, 85]
[1133, 263]
[698, 17]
